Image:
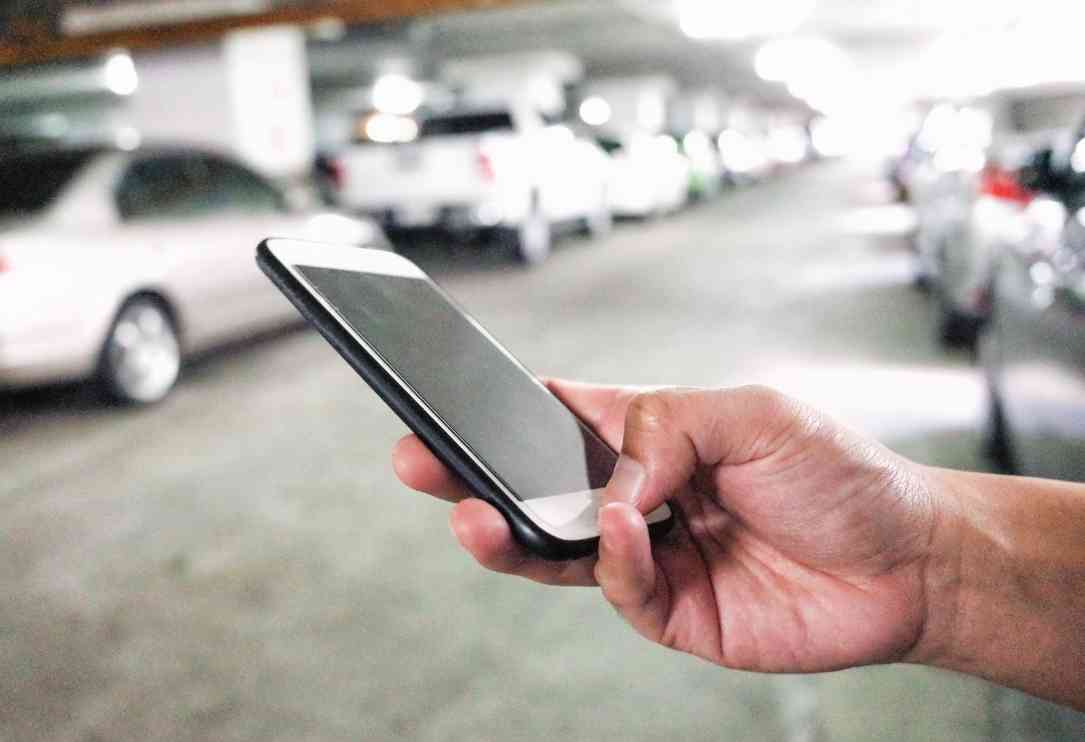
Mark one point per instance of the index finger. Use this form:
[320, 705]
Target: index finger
[419, 469]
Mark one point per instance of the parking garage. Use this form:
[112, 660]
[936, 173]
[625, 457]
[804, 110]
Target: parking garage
[214, 544]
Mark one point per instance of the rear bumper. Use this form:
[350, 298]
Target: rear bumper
[450, 217]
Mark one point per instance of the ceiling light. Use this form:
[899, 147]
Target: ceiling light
[119, 74]
[711, 19]
[397, 94]
[595, 111]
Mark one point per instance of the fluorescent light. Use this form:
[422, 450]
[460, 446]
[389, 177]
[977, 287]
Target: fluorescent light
[119, 74]
[397, 94]
[712, 19]
[595, 111]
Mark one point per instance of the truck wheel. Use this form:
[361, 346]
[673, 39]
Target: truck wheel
[531, 240]
[141, 357]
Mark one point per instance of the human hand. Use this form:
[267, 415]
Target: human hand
[800, 547]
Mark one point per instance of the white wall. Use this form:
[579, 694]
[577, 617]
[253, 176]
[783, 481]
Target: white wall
[248, 94]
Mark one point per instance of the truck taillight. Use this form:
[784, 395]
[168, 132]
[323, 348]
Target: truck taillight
[337, 173]
[486, 166]
[1003, 185]
[5, 264]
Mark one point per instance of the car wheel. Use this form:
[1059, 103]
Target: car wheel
[141, 358]
[957, 331]
[531, 240]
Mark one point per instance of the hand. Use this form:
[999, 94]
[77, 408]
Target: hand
[800, 547]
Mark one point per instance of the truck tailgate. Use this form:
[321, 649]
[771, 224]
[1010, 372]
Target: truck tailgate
[437, 172]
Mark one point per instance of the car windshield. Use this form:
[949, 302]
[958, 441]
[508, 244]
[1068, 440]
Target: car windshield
[466, 123]
[30, 182]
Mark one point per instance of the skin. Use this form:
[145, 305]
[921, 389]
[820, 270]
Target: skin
[802, 546]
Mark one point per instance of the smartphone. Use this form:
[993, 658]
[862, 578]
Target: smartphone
[477, 408]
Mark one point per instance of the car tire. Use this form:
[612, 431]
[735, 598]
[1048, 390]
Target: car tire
[530, 241]
[141, 357]
[957, 331]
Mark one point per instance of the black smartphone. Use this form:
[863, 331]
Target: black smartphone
[474, 405]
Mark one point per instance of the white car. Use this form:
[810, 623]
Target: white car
[114, 264]
[499, 169]
[649, 176]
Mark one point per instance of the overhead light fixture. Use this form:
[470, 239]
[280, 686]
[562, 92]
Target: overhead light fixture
[119, 74]
[712, 19]
[595, 111]
[397, 94]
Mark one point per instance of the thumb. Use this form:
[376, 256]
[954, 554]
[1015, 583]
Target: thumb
[671, 433]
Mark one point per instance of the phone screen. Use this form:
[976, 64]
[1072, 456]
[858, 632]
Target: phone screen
[524, 435]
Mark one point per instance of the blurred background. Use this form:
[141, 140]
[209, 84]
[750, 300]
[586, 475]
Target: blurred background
[876, 206]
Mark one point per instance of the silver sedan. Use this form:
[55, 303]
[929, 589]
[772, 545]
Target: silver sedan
[115, 264]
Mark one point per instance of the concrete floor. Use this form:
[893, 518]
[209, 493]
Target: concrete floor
[240, 564]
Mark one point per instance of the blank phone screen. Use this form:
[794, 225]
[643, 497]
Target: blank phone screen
[523, 434]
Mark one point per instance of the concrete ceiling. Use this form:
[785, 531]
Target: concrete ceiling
[625, 37]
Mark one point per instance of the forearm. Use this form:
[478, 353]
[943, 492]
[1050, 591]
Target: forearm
[1006, 583]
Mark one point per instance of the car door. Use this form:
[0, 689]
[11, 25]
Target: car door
[165, 207]
[246, 210]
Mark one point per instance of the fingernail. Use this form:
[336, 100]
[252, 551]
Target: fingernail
[626, 482]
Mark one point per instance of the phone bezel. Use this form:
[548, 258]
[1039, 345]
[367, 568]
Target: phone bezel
[577, 509]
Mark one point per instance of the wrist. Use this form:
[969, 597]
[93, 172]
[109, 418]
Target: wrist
[1003, 582]
[943, 571]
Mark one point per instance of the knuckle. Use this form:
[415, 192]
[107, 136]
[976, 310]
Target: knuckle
[764, 396]
[769, 403]
[650, 412]
[782, 417]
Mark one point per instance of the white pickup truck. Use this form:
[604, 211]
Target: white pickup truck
[497, 170]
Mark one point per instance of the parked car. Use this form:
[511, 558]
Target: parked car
[1034, 348]
[961, 236]
[114, 264]
[500, 169]
[649, 176]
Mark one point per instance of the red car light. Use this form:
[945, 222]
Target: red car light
[998, 183]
